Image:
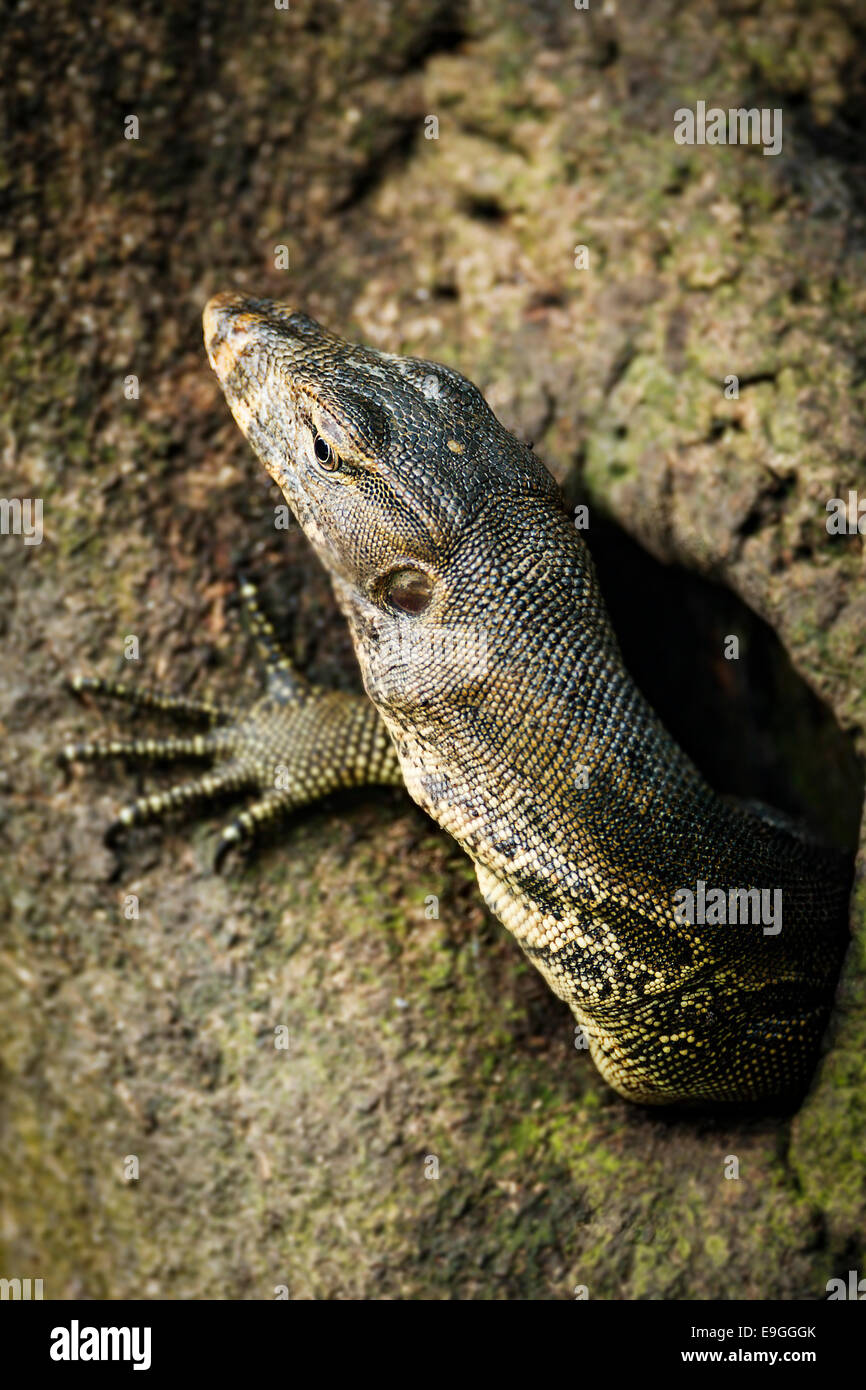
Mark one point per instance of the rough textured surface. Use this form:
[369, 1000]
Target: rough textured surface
[410, 1036]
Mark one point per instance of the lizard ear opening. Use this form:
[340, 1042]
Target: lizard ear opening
[409, 591]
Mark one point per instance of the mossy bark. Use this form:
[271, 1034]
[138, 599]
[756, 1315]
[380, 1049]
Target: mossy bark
[410, 1038]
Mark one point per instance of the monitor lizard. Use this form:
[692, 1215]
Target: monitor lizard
[499, 697]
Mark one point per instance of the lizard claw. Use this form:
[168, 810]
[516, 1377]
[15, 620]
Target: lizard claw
[291, 746]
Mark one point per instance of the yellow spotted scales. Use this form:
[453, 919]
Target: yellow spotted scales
[498, 695]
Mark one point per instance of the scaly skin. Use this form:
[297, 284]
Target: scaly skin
[485, 646]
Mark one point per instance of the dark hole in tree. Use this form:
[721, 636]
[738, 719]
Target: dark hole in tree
[752, 726]
[485, 209]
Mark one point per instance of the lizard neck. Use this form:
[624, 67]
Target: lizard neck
[539, 754]
[514, 717]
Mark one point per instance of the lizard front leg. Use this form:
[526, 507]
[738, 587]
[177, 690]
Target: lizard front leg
[293, 745]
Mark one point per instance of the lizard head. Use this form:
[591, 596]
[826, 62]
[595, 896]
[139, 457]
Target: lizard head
[386, 461]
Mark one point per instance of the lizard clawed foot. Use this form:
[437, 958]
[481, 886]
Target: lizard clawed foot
[292, 745]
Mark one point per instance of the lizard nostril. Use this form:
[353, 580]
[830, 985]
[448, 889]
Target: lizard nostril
[224, 322]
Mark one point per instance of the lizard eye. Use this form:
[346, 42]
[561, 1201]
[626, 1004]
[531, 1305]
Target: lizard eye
[408, 590]
[324, 453]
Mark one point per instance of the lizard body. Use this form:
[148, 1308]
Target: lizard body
[486, 650]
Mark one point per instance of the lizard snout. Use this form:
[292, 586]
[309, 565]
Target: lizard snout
[226, 331]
